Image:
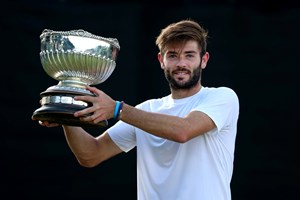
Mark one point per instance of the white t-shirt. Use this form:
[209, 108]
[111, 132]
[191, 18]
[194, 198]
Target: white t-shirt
[200, 169]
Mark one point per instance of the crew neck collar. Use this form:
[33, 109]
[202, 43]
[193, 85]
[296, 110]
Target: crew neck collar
[183, 100]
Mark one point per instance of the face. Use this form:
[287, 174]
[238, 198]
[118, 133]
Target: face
[182, 64]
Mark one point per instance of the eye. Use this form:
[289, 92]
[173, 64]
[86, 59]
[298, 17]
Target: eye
[190, 55]
[171, 55]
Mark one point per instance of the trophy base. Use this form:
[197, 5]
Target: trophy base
[59, 107]
[63, 115]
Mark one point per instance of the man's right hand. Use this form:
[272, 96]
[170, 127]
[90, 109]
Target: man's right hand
[48, 124]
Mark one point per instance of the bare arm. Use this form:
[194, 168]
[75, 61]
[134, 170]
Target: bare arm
[170, 127]
[89, 150]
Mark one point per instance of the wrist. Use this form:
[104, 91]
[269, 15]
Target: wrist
[118, 109]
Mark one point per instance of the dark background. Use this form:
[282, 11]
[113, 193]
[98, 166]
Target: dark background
[254, 49]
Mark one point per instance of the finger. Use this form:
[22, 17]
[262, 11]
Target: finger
[99, 119]
[94, 90]
[42, 123]
[84, 98]
[93, 118]
[85, 119]
[48, 124]
[85, 111]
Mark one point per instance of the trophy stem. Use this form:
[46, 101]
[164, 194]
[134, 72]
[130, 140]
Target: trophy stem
[73, 83]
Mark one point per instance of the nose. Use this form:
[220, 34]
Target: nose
[181, 63]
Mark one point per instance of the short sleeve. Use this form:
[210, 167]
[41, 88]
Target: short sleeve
[123, 135]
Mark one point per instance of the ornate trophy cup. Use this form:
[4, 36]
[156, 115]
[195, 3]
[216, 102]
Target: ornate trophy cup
[76, 59]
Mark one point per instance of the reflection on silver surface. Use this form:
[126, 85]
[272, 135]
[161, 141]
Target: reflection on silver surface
[78, 58]
[62, 99]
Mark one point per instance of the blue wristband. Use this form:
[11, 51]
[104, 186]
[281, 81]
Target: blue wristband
[117, 109]
[120, 109]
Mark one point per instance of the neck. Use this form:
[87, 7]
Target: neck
[183, 93]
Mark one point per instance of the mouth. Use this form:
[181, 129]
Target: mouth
[181, 74]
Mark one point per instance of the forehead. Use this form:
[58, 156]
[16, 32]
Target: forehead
[180, 46]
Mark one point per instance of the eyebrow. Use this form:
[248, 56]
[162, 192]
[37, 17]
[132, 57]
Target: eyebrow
[190, 52]
[186, 52]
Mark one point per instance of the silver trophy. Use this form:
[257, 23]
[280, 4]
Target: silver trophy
[76, 59]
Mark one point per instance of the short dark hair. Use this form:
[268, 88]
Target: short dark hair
[183, 30]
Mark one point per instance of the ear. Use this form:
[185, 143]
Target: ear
[160, 59]
[205, 59]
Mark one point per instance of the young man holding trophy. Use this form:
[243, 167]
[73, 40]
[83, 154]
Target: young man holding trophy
[185, 141]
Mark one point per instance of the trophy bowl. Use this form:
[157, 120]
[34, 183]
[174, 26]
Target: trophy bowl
[76, 59]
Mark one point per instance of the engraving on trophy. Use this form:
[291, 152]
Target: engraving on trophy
[76, 59]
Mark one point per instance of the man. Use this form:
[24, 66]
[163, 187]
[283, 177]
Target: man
[185, 141]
